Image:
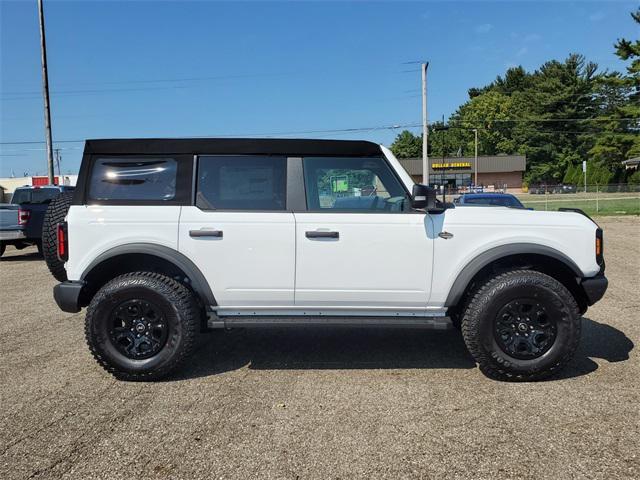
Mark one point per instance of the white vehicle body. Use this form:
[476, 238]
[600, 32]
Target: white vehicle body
[382, 263]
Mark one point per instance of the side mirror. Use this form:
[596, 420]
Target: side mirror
[423, 197]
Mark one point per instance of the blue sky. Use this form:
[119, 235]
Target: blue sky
[142, 69]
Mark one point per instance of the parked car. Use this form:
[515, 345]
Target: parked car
[21, 220]
[165, 238]
[495, 199]
[552, 189]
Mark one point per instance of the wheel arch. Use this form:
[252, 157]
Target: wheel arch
[520, 255]
[144, 257]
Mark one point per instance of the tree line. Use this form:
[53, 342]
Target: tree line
[558, 115]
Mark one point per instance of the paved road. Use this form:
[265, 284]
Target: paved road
[318, 403]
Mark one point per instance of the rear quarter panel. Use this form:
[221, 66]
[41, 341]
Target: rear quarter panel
[95, 229]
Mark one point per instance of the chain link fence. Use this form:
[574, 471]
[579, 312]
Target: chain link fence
[612, 199]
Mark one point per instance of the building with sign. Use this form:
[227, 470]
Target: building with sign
[495, 172]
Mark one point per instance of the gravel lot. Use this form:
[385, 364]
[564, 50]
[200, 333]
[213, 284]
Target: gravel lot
[309, 403]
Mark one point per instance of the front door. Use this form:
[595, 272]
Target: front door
[359, 246]
[240, 234]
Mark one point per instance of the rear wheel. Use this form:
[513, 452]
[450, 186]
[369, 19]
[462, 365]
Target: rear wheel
[521, 326]
[55, 214]
[142, 326]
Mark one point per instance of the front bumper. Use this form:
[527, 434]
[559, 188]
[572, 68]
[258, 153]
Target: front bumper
[594, 288]
[67, 295]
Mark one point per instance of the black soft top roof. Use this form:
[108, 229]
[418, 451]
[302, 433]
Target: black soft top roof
[231, 146]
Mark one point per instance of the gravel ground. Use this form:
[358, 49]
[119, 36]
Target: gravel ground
[309, 403]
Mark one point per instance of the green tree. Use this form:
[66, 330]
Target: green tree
[620, 110]
[630, 50]
[634, 178]
[407, 145]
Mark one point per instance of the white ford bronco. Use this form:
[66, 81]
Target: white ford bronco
[165, 238]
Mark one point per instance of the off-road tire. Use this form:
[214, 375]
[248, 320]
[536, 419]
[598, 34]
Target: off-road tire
[481, 311]
[178, 305]
[55, 214]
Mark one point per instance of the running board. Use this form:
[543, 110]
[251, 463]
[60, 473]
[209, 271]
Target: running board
[251, 321]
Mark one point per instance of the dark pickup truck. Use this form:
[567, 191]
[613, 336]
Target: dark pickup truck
[21, 220]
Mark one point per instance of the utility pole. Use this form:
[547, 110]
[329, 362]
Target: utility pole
[45, 92]
[475, 162]
[57, 151]
[425, 127]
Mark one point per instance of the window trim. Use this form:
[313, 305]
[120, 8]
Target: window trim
[395, 175]
[196, 168]
[183, 182]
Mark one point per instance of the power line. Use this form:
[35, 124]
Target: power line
[362, 129]
[298, 132]
[166, 80]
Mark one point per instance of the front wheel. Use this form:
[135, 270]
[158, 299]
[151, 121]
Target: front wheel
[521, 326]
[142, 326]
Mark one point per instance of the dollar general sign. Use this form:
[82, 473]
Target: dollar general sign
[436, 166]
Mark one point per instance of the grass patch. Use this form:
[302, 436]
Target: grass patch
[603, 206]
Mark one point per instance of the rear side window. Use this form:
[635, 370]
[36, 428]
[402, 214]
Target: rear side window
[150, 179]
[241, 183]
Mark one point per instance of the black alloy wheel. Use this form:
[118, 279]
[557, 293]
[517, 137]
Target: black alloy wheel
[524, 329]
[138, 329]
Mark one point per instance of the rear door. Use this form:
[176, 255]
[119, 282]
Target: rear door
[359, 246]
[239, 232]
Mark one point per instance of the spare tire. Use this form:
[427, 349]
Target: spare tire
[55, 214]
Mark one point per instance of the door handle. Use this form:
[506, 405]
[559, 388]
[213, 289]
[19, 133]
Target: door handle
[205, 233]
[321, 234]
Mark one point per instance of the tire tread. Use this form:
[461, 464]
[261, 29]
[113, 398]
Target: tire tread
[176, 293]
[478, 301]
[56, 212]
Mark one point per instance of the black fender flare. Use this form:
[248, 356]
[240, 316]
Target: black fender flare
[478, 263]
[196, 278]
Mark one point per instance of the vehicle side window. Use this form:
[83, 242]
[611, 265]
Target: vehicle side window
[365, 184]
[133, 179]
[241, 183]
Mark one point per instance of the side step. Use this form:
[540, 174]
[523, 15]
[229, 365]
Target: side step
[252, 321]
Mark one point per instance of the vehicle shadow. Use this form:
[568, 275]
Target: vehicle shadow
[343, 348]
[601, 341]
[318, 348]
